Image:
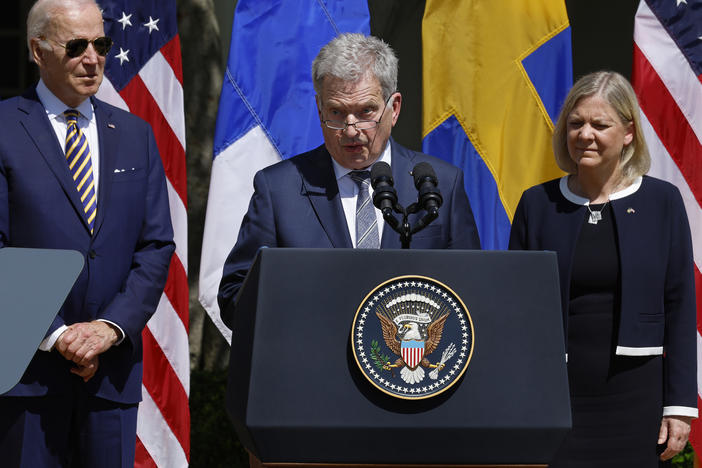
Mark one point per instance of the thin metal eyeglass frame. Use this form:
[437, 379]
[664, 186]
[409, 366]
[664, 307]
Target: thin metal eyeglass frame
[362, 122]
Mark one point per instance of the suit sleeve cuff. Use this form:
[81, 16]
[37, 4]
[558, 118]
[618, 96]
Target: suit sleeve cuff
[121, 335]
[47, 344]
[680, 411]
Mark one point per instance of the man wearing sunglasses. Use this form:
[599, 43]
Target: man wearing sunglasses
[79, 174]
[321, 199]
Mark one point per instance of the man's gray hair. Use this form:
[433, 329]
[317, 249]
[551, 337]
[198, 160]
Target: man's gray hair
[350, 56]
[41, 14]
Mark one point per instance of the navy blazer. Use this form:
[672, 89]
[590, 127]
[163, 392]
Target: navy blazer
[127, 257]
[296, 203]
[657, 276]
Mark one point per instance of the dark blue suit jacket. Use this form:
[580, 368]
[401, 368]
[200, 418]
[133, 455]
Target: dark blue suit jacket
[127, 257]
[657, 277]
[296, 203]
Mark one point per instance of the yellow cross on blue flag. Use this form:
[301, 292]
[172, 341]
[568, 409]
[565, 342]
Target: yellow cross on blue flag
[495, 76]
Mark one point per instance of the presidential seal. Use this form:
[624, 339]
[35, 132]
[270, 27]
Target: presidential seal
[412, 337]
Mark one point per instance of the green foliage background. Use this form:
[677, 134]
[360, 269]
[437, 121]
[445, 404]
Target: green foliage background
[685, 459]
[213, 441]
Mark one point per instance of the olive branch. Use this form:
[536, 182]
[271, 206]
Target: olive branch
[378, 359]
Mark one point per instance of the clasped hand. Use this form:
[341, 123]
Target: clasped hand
[83, 342]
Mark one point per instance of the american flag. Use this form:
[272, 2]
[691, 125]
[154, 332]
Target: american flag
[143, 74]
[667, 77]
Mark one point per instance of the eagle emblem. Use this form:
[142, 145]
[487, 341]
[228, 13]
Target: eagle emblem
[426, 332]
[412, 344]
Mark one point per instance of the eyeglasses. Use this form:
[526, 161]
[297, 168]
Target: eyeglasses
[76, 47]
[359, 125]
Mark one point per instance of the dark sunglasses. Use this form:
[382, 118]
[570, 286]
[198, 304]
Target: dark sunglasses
[76, 47]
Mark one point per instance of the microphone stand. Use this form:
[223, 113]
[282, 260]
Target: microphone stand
[385, 198]
[403, 228]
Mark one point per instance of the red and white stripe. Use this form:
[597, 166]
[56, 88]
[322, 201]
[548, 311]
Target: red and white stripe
[670, 95]
[163, 426]
[412, 356]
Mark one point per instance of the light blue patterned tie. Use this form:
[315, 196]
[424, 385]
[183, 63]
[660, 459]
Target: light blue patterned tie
[366, 221]
[81, 166]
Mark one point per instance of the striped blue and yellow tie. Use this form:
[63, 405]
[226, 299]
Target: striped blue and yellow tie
[80, 164]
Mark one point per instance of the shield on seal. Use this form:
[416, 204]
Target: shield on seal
[412, 352]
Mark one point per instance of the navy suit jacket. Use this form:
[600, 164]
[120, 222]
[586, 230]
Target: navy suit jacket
[127, 257]
[657, 276]
[296, 203]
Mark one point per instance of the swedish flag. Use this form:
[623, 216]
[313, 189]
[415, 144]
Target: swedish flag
[495, 75]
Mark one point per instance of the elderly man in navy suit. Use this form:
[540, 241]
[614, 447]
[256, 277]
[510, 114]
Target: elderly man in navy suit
[77, 173]
[320, 199]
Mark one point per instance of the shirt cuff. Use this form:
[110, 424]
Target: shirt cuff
[47, 344]
[120, 337]
[680, 411]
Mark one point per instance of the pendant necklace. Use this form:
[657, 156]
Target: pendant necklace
[596, 215]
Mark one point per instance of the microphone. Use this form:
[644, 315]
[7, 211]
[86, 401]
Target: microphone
[425, 181]
[384, 194]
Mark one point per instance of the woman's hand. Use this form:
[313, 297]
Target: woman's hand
[674, 429]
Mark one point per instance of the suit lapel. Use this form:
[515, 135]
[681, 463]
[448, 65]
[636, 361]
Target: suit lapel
[40, 131]
[402, 160]
[320, 187]
[109, 141]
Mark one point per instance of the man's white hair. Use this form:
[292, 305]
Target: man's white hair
[41, 14]
[350, 56]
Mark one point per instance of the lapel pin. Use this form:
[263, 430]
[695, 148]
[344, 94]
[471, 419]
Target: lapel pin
[111, 125]
[630, 210]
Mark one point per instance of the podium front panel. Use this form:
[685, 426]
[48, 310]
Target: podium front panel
[297, 395]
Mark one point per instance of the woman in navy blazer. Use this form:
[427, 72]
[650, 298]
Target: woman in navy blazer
[627, 282]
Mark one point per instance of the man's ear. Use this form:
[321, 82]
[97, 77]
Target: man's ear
[36, 51]
[318, 102]
[396, 106]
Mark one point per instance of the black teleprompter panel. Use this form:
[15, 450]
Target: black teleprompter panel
[296, 395]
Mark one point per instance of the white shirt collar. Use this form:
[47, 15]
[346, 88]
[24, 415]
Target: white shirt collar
[578, 200]
[55, 107]
[385, 156]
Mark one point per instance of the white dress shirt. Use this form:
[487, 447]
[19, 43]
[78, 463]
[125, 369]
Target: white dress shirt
[86, 121]
[55, 109]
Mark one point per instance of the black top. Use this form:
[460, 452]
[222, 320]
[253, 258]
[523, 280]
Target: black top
[596, 258]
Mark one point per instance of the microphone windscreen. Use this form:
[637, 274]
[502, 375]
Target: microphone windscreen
[423, 171]
[381, 170]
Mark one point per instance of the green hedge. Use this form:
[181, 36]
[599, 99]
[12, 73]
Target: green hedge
[213, 442]
[684, 459]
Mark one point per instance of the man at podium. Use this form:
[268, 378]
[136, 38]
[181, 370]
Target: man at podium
[322, 198]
